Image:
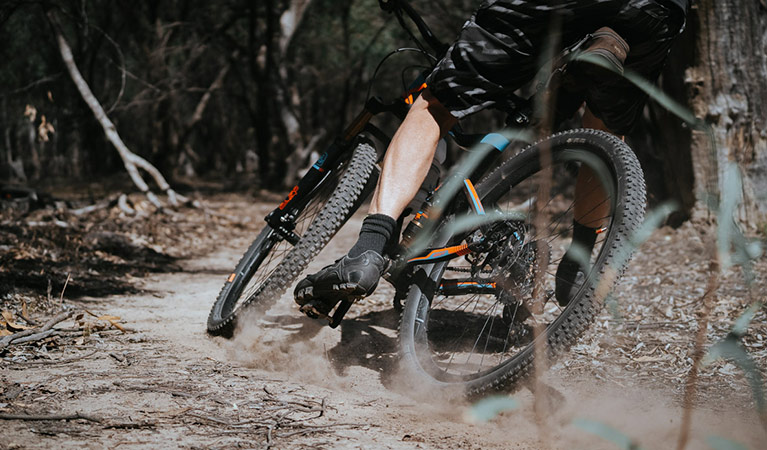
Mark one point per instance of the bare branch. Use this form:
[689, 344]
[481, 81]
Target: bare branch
[131, 161]
[74, 416]
[4, 342]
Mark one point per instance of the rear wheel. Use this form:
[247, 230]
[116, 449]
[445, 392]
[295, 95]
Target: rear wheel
[468, 322]
[271, 264]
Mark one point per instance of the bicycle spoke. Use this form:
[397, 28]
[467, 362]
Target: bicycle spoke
[486, 339]
[483, 341]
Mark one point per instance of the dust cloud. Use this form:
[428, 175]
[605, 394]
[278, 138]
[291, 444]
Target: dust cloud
[285, 342]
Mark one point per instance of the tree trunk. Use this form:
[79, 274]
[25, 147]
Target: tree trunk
[729, 89]
[286, 99]
[131, 160]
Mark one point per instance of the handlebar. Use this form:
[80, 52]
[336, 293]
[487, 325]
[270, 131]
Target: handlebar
[397, 7]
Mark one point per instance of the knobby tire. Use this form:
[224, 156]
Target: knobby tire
[355, 183]
[420, 363]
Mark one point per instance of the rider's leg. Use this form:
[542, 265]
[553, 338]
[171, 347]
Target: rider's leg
[592, 207]
[590, 213]
[406, 164]
[410, 155]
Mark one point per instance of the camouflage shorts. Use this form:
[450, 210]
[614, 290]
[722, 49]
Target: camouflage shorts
[499, 50]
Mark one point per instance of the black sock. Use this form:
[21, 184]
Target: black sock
[585, 236]
[375, 233]
[568, 268]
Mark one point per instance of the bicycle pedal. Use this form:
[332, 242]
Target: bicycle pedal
[316, 309]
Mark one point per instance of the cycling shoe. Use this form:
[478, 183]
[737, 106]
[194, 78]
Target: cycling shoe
[346, 278]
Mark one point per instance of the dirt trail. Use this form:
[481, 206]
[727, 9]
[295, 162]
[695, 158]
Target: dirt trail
[168, 385]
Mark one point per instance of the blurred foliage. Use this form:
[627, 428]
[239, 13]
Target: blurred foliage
[607, 433]
[490, 407]
[720, 443]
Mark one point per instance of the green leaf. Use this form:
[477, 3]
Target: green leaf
[606, 432]
[741, 324]
[731, 198]
[720, 443]
[730, 349]
[471, 221]
[653, 220]
[489, 408]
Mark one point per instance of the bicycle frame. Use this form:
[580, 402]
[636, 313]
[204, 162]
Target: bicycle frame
[520, 114]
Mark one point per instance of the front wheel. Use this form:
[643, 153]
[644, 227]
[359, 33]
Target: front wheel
[468, 323]
[271, 264]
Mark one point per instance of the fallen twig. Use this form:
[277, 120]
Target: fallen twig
[54, 222]
[56, 361]
[301, 432]
[66, 283]
[319, 428]
[122, 203]
[75, 416]
[6, 341]
[330, 425]
[130, 425]
[36, 337]
[209, 419]
[25, 315]
[58, 318]
[269, 436]
[131, 161]
[111, 319]
[162, 389]
[111, 201]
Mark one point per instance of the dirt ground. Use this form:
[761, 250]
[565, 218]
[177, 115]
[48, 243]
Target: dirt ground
[163, 383]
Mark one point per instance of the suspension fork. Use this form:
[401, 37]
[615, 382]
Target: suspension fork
[282, 219]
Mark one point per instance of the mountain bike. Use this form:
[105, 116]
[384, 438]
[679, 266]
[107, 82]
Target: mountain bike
[474, 270]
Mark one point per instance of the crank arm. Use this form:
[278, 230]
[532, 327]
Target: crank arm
[313, 310]
[340, 312]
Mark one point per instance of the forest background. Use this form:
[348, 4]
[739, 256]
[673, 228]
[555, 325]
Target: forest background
[240, 93]
[230, 101]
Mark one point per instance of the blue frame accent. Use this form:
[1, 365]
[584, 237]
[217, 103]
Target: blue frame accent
[498, 141]
[476, 206]
[320, 162]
